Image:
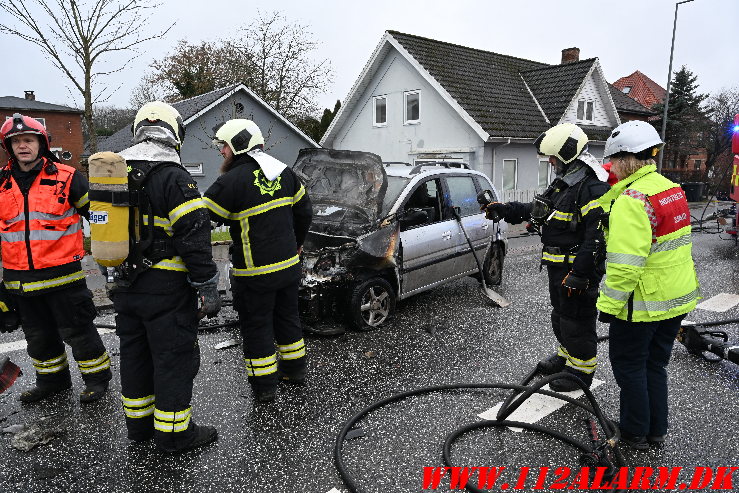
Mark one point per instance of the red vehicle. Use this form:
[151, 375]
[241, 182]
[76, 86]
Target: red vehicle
[734, 193]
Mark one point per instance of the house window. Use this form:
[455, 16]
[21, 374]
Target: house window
[510, 174]
[195, 169]
[379, 112]
[585, 110]
[626, 89]
[544, 169]
[698, 163]
[412, 110]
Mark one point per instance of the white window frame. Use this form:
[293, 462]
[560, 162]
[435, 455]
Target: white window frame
[406, 121]
[626, 89]
[515, 175]
[549, 173]
[375, 123]
[585, 103]
[195, 169]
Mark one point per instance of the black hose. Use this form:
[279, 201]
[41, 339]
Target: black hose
[524, 390]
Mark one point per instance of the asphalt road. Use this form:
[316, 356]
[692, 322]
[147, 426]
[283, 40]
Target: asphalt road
[449, 335]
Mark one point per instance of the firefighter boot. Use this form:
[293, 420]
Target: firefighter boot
[553, 364]
[93, 392]
[203, 436]
[568, 384]
[42, 392]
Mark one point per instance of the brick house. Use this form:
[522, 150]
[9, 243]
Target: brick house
[64, 125]
[646, 92]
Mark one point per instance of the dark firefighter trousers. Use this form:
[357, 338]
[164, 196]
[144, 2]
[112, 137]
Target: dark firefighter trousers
[573, 321]
[160, 358]
[639, 353]
[266, 318]
[51, 319]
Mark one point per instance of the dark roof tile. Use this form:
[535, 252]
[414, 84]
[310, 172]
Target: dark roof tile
[21, 104]
[487, 85]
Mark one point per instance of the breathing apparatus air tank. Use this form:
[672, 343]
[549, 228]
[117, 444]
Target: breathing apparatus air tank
[109, 211]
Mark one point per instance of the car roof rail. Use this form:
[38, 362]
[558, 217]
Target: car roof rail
[444, 164]
[396, 163]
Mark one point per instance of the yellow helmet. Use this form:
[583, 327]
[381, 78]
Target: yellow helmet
[241, 135]
[565, 141]
[160, 114]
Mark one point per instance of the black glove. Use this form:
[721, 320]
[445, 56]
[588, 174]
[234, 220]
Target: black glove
[575, 285]
[210, 298]
[494, 211]
[210, 301]
[606, 318]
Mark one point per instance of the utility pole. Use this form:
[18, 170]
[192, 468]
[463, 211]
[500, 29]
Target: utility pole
[667, 95]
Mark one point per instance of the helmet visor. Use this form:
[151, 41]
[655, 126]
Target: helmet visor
[218, 143]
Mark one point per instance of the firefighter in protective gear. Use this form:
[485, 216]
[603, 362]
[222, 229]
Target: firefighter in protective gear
[41, 201]
[650, 283]
[268, 212]
[568, 214]
[157, 307]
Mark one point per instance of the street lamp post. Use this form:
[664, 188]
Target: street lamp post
[667, 95]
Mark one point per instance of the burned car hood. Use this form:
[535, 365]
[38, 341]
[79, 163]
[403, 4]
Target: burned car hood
[346, 189]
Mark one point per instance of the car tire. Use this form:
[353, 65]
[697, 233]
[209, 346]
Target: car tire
[372, 304]
[493, 266]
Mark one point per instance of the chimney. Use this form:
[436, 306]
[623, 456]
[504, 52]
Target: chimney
[32, 97]
[570, 55]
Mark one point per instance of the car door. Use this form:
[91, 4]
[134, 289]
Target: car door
[428, 250]
[463, 194]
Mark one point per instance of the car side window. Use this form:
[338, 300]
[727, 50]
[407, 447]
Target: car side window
[463, 194]
[482, 184]
[426, 197]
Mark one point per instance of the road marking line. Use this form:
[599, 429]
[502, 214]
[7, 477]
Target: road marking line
[720, 303]
[536, 407]
[333, 490]
[18, 345]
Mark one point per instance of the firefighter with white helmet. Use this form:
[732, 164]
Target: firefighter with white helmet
[568, 215]
[651, 283]
[169, 268]
[268, 212]
[41, 201]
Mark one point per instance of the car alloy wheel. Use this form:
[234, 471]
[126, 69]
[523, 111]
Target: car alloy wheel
[372, 304]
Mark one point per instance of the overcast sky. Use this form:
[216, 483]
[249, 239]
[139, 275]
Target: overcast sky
[626, 35]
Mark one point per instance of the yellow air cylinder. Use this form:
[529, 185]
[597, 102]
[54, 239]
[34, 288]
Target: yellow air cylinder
[108, 222]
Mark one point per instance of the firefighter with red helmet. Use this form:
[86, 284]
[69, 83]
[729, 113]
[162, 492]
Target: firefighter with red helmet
[41, 201]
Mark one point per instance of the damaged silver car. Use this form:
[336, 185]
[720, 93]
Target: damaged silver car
[382, 233]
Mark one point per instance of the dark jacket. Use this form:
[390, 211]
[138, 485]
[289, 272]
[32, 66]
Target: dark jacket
[268, 222]
[182, 222]
[572, 233]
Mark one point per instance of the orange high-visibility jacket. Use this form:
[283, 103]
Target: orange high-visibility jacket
[40, 229]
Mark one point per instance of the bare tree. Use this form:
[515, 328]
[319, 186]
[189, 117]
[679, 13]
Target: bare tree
[716, 135]
[284, 73]
[147, 91]
[76, 36]
[194, 69]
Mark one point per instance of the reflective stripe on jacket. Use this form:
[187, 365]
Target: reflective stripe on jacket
[650, 273]
[268, 220]
[40, 229]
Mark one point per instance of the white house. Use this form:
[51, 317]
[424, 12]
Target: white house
[420, 99]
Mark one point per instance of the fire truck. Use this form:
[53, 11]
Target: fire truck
[734, 193]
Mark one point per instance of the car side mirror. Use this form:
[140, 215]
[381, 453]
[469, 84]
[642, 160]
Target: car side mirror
[413, 217]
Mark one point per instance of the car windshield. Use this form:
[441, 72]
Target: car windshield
[395, 185]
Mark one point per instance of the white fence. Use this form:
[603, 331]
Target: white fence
[520, 195]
